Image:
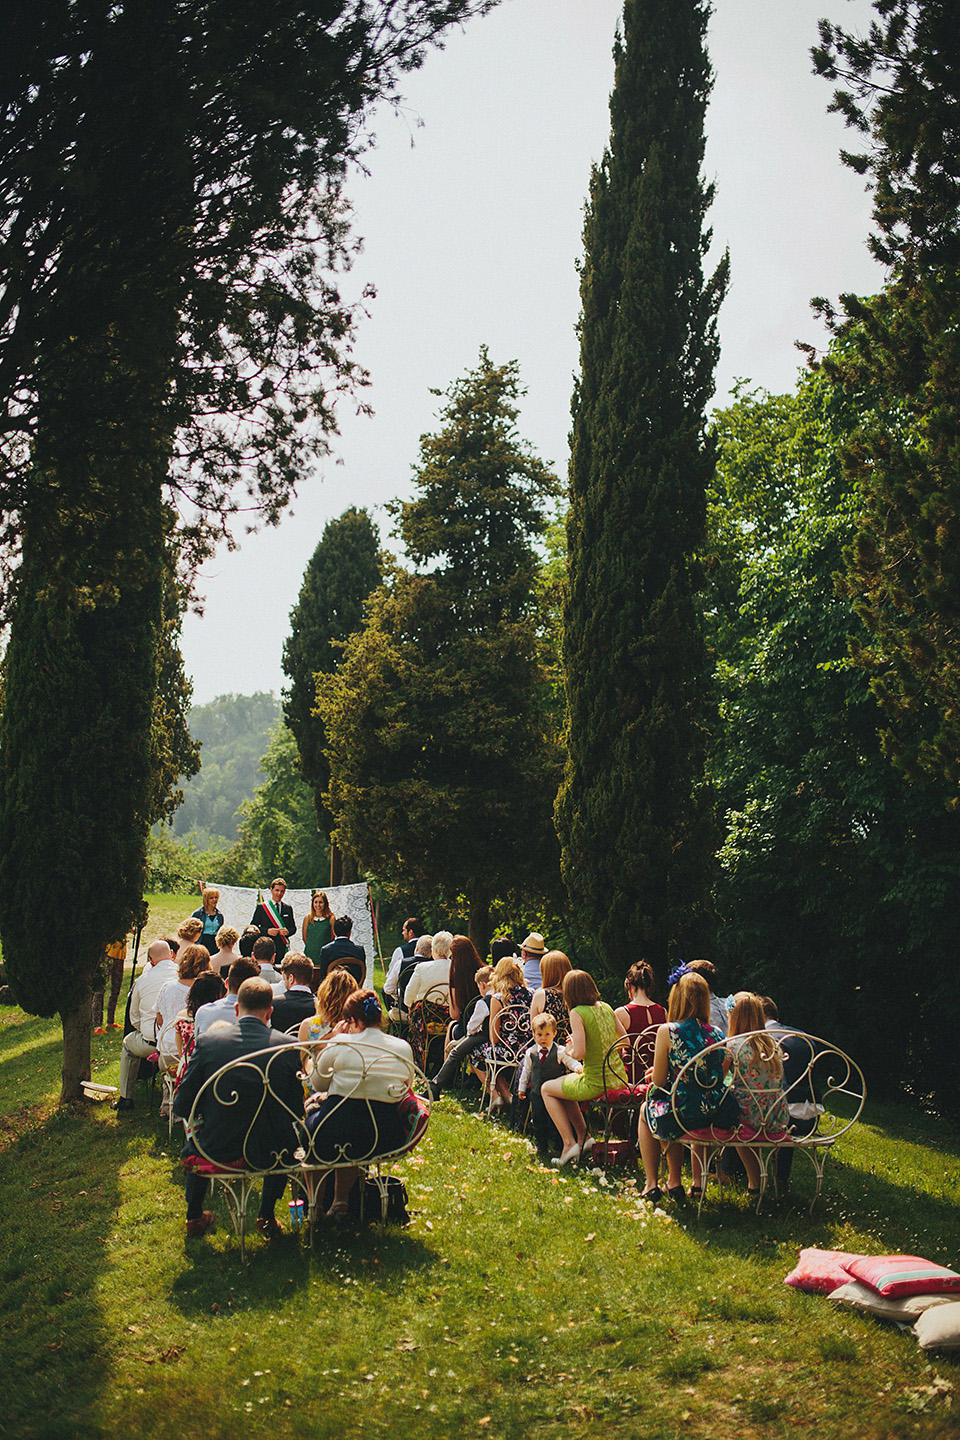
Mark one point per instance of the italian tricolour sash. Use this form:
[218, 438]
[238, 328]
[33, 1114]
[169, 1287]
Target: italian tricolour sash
[271, 910]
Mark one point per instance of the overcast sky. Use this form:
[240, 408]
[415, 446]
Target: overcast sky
[471, 218]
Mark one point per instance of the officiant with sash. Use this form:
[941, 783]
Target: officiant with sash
[274, 919]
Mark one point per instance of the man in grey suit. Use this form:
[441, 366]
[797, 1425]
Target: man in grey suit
[239, 1118]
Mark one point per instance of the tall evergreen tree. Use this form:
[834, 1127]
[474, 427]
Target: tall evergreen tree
[442, 752]
[634, 813]
[172, 339]
[899, 89]
[343, 570]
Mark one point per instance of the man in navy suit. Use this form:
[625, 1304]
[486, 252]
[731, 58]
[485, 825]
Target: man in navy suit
[342, 951]
[296, 1002]
[240, 1118]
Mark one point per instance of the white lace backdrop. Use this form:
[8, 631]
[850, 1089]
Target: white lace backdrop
[238, 902]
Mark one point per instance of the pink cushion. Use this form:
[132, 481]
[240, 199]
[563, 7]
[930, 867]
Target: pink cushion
[622, 1096]
[709, 1136]
[892, 1275]
[199, 1166]
[821, 1271]
[746, 1134]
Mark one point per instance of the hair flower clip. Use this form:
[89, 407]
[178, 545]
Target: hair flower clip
[677, 973]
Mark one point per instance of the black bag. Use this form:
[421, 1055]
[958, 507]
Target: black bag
[397, 1212]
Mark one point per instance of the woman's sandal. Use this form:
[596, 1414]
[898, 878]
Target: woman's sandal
[676, 1192]
[654, 1196]
[338, 1210]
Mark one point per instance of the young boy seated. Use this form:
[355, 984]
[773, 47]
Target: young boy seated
[545, 1060]
[478, 1024]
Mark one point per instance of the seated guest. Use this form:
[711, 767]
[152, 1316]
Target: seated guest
[259, 1124]
[545, 1060]
[226, 1007]
[264, 953]
[141, 1041]
[410, 934]
[510, 1032]
[248, 939]
[342, 951]
[433, 973]
[332, 995]
[226, 952]
[639, 1013]
[422, 955]
[804, 1105]
[719, 1012]
[548, 1000]
[476, 1033]
[206, 989]
[704, 1101]
[363, 1074]
[211, 919]
[462, 983]
[593, 1029]
[531, 953]
[189, 931]
[192, 962]
[296, 1003]
[757, 1077]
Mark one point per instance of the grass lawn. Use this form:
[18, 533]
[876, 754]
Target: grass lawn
[518, 1301]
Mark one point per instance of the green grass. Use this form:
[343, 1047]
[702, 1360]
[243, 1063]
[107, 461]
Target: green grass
[518, 1301]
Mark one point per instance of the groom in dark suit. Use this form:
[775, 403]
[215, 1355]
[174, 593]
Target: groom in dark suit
[260, 1125]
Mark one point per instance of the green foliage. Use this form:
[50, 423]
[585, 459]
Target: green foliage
[278, 831]
[175, 754]
[234, 732]
[634, 814]
[838, 877]
[75, 788]
[442, 755]
[900, 90]
[175, 867]
[345, 567]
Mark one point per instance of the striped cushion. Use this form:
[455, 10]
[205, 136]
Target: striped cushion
[892, 1275]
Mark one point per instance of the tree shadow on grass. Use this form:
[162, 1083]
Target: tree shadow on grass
[59, 1196]
[897, 1218]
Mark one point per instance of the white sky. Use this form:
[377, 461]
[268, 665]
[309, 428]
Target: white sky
[471, 218]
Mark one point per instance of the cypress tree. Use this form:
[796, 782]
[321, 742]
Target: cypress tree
[634, 812]
[342, 571]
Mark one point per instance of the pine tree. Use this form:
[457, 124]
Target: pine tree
[634, 813]
[442, 753]
[343, 570]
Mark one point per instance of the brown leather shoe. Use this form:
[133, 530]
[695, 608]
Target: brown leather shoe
[201, 1225]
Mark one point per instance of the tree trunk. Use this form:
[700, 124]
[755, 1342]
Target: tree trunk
[76, 1050]
[479, 922]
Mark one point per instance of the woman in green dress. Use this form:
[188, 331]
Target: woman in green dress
[317, 929]
[593, 1029]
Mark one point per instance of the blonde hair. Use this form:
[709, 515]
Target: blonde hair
[508, 973]
[190, 929]
[334, 992]
[747, 1016]
[210, 893]
[690, 999]
[227, 937]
